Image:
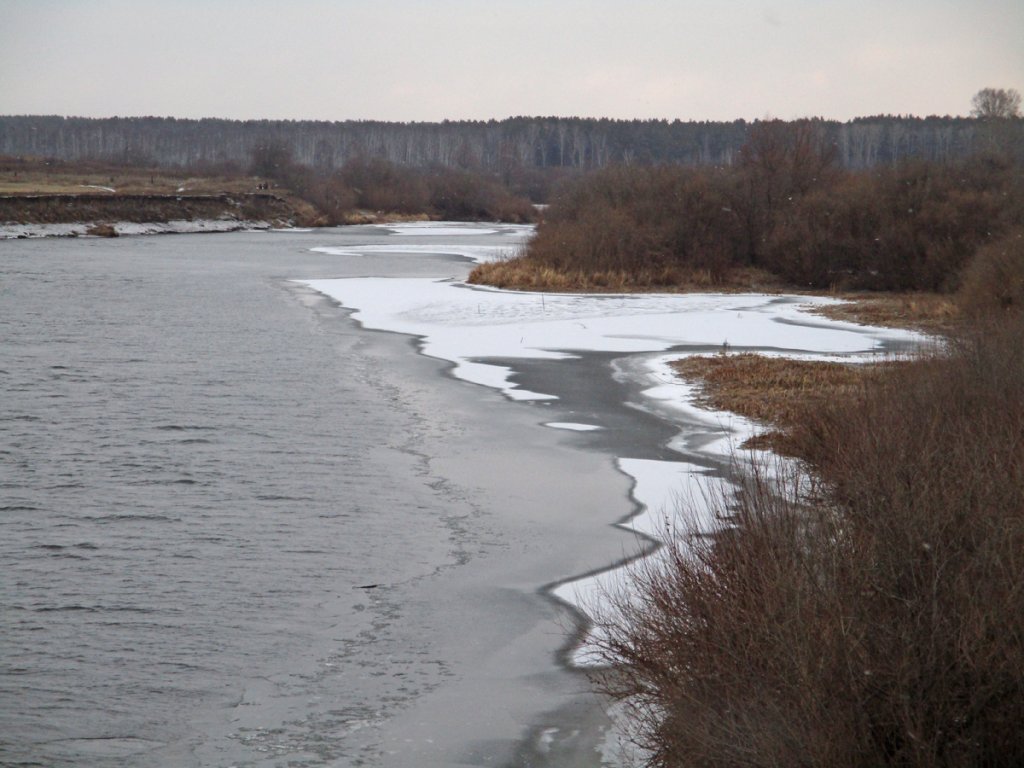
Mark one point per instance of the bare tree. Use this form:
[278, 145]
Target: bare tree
[996, 102]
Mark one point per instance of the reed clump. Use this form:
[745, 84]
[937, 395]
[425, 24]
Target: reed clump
[776, 391]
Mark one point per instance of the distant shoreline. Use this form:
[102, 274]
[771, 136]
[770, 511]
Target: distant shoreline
[109, 215]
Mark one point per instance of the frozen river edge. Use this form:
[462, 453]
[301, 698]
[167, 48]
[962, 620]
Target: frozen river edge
[244, 528]
[513, 342]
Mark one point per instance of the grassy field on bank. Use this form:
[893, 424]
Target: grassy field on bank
[54, 178]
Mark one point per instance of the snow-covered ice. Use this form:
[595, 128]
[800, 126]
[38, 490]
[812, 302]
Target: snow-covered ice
[476, 253]
[483, 331]
[572, 426]
[660, 489]
[469, 325]
[448, 229]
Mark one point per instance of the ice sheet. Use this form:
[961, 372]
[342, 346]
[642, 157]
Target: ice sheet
[467, 325]
[478, 253]
[482, 331]
[447, 228]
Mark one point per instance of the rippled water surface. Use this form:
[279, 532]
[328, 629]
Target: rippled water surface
[239, 529]
[209, 477]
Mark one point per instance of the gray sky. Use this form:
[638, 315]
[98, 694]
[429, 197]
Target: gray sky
[460, 59]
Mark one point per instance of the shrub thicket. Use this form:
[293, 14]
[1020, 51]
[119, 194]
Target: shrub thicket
[379, 186]
[785, 207]
[994, 280]
[877, 619]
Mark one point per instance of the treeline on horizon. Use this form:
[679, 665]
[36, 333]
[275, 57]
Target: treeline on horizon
[787, 210]
[501, 147]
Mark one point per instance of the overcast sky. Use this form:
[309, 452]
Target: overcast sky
[478, 59]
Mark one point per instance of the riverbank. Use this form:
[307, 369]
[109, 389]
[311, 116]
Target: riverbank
[109, 214]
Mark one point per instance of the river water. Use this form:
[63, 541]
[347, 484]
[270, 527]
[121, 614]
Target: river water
[237, 529]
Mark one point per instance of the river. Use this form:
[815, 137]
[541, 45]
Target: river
[241, 527]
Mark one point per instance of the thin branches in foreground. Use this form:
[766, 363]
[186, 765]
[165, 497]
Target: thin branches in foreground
[876, 621]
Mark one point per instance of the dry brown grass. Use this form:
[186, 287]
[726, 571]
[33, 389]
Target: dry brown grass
[37, 180]
[776, 391]
[362, 216]
[929, 312]
[525, 274]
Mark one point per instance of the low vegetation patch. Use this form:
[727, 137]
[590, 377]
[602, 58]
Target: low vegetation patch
[776, 391]
[525, 274]
[929, 312]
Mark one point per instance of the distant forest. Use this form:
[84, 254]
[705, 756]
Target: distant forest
[497, 146]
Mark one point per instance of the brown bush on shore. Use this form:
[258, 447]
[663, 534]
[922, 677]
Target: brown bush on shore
[876, 620]
[785, 208]
[994, 280]
[634, 219]
[465, 196]
[386, 188]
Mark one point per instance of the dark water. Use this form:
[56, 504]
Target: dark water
[221, 528]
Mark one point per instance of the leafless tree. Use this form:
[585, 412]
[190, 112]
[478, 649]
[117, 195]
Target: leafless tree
[996, 102]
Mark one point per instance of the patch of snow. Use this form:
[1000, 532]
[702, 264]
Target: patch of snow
[97, 186]
[466, 325]
[663, 490]
[572, 426]
[448, 228]
[479, 254]
[547, 738]
[14, 230]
